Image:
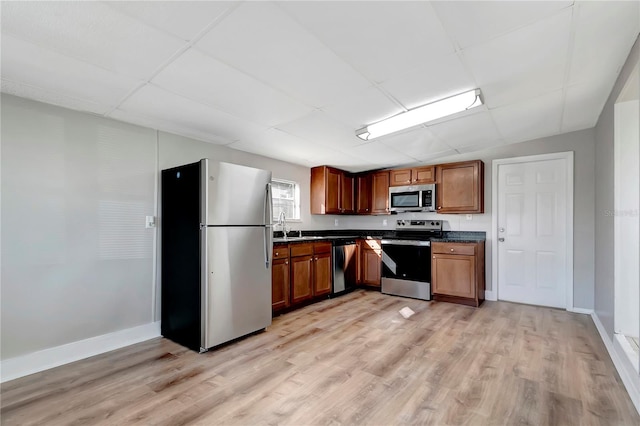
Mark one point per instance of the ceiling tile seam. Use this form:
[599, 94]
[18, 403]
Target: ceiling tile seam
[59, 94]
[467, 69]
[528, 24]
[162, 30]
[75, 58]
[177, 130]
[373, 83]
[188, 44]
[568, 67]
[253, 77]
[213, 107]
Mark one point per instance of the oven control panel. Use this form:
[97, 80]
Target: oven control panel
[418, 225]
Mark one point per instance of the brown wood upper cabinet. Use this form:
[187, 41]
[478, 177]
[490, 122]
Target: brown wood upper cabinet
[331, 191]
[414, 176]
[363, 194]
[460, 187]
[380, 193]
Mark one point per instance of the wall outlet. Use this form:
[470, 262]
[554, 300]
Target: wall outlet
[150, 222]
[469, 217]
[384, 222]
[335, 222]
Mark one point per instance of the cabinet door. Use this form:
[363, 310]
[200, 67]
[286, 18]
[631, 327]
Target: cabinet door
[380, 191]
[460, 187]
[371, 266]
[400, 177]
[346, 194]
[322, 274]
[423, 175]
[332, 188]
[363, 194]
[280, 284]
[301, 276]
[453, 275]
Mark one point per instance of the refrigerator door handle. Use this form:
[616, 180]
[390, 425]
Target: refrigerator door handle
[268, 233]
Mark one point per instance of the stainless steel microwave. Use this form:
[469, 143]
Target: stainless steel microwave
[414, 198]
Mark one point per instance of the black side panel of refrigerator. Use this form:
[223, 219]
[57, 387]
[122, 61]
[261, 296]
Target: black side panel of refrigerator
[180, 223]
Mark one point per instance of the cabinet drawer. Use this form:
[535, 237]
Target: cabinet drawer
[304, 249]
[281, 251]
[468, 249]
[324, 247]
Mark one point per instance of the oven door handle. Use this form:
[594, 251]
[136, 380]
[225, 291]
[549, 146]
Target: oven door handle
[406, 243]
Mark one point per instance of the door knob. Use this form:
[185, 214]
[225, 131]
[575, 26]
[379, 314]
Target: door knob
[501, 229]
[501, 240]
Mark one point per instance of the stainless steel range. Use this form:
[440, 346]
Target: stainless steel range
[406, 259]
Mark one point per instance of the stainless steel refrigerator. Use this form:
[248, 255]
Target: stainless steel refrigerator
[216, 241]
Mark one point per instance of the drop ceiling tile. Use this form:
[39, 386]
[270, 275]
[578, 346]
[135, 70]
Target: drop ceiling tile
[605, 32]
[473, 22]
[380, 39]
[197, 76]
[417, 143]
[342, 161]
[376, 152]
[261, 40]
[524, 63]
[54, 98]
[24, 62]
[158, 104]
[584, 103]
[475, 129]
[439, 79]
[184, 19]
[530, 119]
[92, 32]
[275, 143]
[366, 107]
[320, 128]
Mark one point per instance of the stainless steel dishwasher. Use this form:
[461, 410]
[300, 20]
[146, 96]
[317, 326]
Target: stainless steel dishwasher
[344, 266]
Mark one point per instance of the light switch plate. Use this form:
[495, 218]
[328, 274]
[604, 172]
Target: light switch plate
[469, 217]
[384, 222]
[150, 222]
[335, 222]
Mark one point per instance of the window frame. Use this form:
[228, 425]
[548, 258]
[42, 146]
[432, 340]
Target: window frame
[296, 199]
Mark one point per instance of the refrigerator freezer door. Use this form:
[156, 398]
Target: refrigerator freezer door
[235, 195]
[238, 284]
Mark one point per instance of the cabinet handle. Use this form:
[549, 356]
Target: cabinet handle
[434, 257]
[276, 253]
[439, 207]
[451, 249]
[316, 259]
[286, 262]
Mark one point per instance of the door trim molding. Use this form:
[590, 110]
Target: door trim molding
[568, 157]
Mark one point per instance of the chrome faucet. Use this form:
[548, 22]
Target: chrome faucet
[282, 222]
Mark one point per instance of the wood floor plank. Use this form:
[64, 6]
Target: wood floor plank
[350, 360]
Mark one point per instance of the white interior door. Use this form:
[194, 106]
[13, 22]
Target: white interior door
[533, 232]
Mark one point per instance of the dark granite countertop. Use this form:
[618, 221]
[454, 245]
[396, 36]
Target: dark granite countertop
[460, 237]
[309, 236]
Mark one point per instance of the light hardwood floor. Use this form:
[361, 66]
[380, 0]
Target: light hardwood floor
[350, 360]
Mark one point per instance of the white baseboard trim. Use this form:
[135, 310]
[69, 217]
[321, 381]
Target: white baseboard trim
[581, 311]
[490, 295]
[626, 371]
[24, 365]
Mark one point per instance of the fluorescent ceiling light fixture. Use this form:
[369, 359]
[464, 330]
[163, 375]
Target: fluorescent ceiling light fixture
[423, 114]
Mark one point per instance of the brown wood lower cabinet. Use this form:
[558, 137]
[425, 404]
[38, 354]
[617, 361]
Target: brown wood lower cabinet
[299, 273]
[371, 262]
[457, 272]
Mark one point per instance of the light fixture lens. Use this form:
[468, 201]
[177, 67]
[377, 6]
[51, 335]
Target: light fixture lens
[423, 114]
